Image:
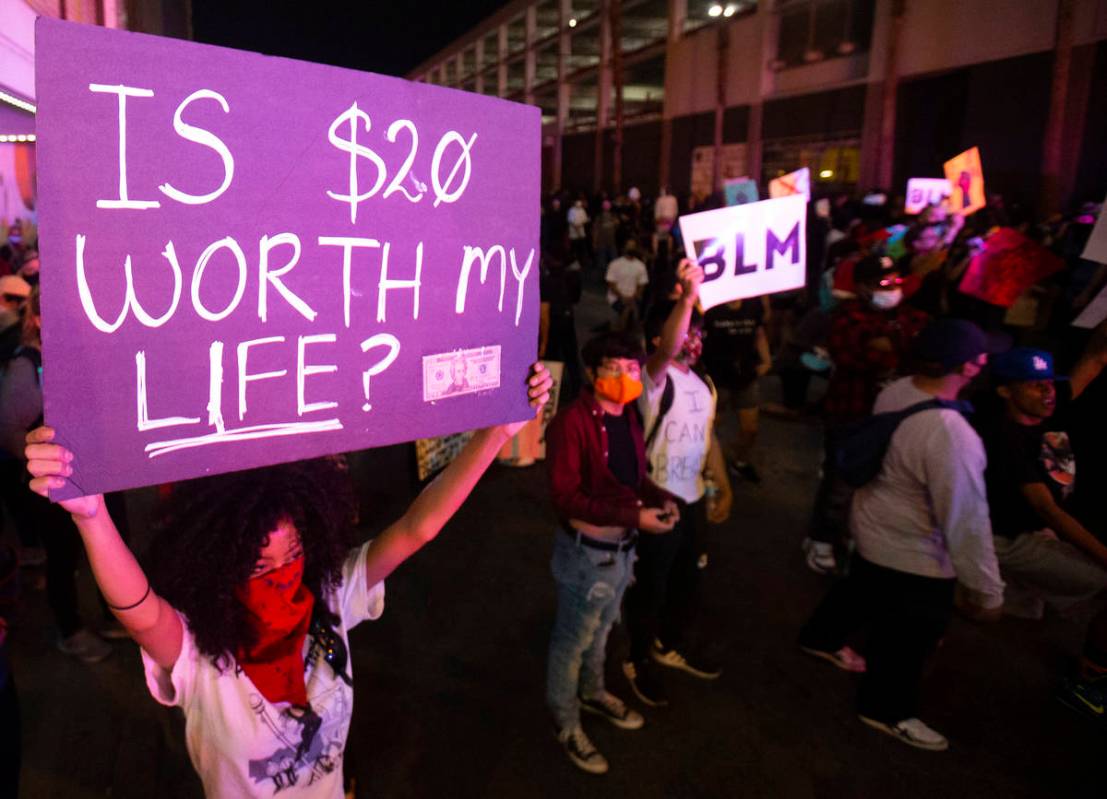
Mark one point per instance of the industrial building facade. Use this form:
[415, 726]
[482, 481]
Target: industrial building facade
[687, 93]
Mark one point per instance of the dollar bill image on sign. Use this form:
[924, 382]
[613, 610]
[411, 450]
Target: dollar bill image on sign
[451, 374]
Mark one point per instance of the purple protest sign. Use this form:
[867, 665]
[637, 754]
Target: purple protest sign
[249, 260]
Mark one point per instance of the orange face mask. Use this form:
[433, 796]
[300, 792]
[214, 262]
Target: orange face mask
[621, 389]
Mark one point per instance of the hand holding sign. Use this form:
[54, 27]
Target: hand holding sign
[689, 280]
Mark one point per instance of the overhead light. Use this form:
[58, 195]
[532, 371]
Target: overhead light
[715, 10]
[21, 104]
[729, 10]
[826, 173]
[572, 22]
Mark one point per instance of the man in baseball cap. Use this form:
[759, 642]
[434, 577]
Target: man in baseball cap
[1047, 553]
[921, 527]
[945, 344]
[870, 335]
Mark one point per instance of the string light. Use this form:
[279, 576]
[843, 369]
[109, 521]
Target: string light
[16, 137]
[715, 11]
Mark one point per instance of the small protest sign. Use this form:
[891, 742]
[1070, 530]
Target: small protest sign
[732, 163]
[798, 182]
[748, 250]
[1096, 249]
[250, 260]
[924, 192]
[739, 191]
[966, 177]
[1094, 312]
[1009, 265]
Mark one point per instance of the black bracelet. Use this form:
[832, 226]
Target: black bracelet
[135, 605]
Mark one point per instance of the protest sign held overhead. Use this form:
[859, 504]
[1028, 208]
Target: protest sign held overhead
[748, 250]
[739, 191]
[251, 260]
[1009, 265]
[924, 192]
[798, 182]
[1096, 249]
[966, 177]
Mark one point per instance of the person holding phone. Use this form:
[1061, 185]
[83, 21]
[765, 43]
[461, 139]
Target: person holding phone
[597, 476]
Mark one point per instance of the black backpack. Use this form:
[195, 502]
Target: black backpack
[860, 456]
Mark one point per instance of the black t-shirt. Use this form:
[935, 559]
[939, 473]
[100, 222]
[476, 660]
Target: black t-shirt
[730, 342]
[1089, 441]
[622, 460]
[1020, 455]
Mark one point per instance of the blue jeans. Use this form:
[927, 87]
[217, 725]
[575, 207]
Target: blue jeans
[590, 586]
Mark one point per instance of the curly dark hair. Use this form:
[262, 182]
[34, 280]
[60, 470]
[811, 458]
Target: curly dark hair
[211, 532]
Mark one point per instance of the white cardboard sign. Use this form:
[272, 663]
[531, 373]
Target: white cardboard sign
[1097, 242]
[922, 192]
[1094, 312]
[749, 250]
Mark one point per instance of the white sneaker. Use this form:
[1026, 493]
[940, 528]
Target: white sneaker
[85, 646]
[912, 732]
[820, 556]
[580, 750]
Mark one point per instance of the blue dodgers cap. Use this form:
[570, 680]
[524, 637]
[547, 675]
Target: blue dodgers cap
[1023, 363]
[952, 342]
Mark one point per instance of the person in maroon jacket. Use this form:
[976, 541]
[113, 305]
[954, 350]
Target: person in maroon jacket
[603, 499]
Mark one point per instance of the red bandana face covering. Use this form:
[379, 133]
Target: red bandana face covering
[279, 607]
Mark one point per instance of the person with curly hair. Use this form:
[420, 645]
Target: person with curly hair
[243, 622]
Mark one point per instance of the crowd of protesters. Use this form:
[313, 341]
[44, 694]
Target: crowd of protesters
[972, 501]
[957, 408]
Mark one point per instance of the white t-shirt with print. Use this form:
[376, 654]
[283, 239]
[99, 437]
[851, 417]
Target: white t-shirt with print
[627, 274]
[242, 745]
[679, 450]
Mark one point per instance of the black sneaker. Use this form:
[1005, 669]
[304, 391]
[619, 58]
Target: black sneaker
[746, 471]
[580, 750]
[683, 661]
[646, 682]
[1086, 698]
[614, 710]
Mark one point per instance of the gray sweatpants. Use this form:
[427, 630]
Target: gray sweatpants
[1040, 569]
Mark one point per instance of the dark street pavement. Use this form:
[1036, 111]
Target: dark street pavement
[450, 679]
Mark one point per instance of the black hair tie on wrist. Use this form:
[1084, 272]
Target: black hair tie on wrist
[135, 605]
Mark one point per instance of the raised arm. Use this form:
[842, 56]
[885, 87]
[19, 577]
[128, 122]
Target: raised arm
[675, 330]
[439, 501]
[150, 620]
